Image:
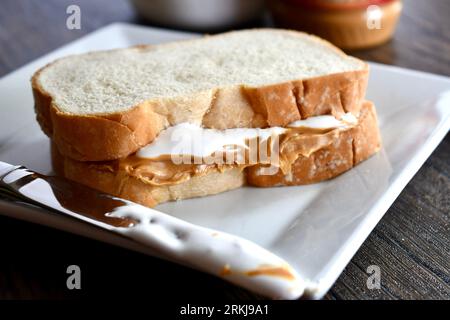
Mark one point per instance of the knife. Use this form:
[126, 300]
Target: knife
[230, 257]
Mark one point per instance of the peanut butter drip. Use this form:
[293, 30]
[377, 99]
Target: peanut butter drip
[174, 169]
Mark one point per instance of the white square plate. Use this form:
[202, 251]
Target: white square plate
[316, 228]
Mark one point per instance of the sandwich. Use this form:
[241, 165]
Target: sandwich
[155, 123]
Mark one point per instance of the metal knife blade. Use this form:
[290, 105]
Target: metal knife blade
[233, 258]
[26, 187]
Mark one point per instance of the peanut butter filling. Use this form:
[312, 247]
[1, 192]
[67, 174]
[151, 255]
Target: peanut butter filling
[163, 170]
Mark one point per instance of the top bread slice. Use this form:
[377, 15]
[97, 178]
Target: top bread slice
[106, 105]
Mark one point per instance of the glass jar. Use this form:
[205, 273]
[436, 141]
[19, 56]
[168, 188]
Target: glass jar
[349, 24]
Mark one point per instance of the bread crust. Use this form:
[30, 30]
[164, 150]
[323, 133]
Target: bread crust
[350, 148]
[102, 137]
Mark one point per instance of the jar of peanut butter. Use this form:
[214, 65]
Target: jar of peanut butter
[349, 24]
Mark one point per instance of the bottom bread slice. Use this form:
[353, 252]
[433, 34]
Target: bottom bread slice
[349, 148]
[131, 188]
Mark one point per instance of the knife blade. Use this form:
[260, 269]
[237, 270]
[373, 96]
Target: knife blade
[61, 195]
[232, 258]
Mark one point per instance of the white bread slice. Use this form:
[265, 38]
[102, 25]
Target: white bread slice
[350, 148]
[98, 176]
[106, 105]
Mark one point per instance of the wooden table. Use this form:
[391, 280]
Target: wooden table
[411, 244]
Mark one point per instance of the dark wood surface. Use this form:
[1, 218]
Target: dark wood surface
[411, 244]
